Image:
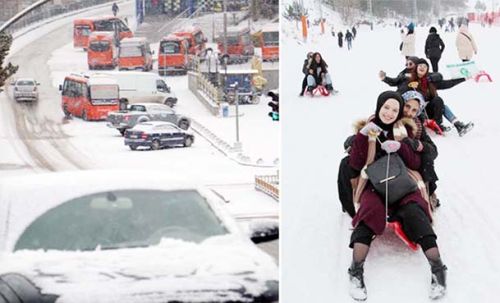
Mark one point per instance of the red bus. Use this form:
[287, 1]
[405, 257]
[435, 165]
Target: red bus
[102, 51]
[196, 40]
[173, 55]
[90, 98]
[82, 28]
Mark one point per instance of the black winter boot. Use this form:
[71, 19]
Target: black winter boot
[462, 128]
[438, 280]
[357, 288]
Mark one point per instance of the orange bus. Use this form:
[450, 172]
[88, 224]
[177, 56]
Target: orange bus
[135, 54]
[196, 40]
[101, 52]
[82, 28]
[173, 55]
[89, 98]
[269, 42]
[239, 44]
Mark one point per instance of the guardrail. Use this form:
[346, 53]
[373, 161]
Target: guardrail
[268, 184]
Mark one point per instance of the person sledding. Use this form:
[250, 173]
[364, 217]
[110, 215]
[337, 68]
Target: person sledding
[428, 84]
[421, 143]
[381, 138]
[318, 78]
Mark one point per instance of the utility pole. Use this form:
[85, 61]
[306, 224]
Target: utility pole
[225, 26]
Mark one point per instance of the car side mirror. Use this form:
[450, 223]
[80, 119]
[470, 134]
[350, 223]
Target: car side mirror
[38, 83]
[168, 89]
[263, 230]
[60, 87]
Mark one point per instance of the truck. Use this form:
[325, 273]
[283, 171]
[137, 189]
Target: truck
[138, 87]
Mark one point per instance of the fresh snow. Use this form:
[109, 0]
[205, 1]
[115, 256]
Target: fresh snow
[315, 233]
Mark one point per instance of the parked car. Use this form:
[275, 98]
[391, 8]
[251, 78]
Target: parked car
[156, 135]
[144, 112]
[25, 89]
[125, 236]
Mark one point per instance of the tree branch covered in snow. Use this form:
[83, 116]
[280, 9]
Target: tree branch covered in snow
[295, 11]
[9, 70]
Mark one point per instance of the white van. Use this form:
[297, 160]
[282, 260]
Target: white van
[138, 87]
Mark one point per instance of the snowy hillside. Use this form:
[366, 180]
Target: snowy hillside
[315, 233]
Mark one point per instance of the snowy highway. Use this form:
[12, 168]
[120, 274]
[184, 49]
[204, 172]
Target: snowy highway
[35, 137]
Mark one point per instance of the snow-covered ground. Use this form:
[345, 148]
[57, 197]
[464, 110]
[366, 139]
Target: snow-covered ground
[315, 232]
[95, 146]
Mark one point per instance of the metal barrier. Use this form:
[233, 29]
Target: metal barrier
[210, 90]
[268, 184]
[50, 10]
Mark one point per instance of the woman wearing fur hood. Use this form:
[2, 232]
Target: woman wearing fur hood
[389, 129]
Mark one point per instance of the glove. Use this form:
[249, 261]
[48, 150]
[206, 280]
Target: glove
[391, 146]
[416, 145]
[370, 128]
[381, 75]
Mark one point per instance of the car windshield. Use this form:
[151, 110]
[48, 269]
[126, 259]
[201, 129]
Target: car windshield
[101, 94]
[138, 108]
[104, 25]
[99, 46]
[131, 51]
[123, 219]
[25, 82]
[271, 38]
[82, 30]
[169, 47]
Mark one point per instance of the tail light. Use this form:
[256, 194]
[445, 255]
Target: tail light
[144, 136]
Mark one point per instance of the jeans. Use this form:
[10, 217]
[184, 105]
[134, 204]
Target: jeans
[448, 114]
[312, 82]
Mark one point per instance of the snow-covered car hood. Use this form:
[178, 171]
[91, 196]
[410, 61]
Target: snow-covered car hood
[220, 269]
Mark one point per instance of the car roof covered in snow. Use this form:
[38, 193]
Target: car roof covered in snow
[270, 27]
[133, 40]
[102, 80]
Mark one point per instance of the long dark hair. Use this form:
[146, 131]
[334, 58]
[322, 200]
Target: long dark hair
[427, 88]
[322, 63]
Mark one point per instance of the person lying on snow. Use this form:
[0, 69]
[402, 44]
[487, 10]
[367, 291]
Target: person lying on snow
[432, 82]
[412, 211]
[318, 74]
[422, 143]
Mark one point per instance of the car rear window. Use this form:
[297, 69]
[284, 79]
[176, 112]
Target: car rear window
[138, 108]
[25, 82]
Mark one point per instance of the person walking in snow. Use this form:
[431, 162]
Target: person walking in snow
[354, 32]
[115, 9]
[340, 37]
[407, 46]
[318, 74]
[333, 32]
[465, 43]
[412, 211]
[434, 47]
[348, 38]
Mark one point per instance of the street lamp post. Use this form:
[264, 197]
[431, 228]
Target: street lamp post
[234, 87]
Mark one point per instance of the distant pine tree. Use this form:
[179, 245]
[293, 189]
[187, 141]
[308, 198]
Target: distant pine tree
[9, 70]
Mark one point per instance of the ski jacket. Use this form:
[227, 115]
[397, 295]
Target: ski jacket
[305, 67]
[465, 43]
[434, 46]
[318, 70]
[408, 48]
[348, 36]
[371, 205]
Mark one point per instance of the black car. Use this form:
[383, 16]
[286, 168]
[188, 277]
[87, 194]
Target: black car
[156, 135]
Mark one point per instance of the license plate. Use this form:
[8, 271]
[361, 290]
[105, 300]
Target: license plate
[134, 136]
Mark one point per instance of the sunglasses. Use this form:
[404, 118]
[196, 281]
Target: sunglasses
[410, 64]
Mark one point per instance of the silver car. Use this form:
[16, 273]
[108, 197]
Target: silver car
[25, 89]
[145, 112]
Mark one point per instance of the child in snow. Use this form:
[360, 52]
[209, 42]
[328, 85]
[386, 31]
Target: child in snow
[412, 211]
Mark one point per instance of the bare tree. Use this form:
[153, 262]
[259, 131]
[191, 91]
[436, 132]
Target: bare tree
[9, 70]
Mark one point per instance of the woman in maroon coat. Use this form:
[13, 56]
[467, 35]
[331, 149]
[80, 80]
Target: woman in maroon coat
[412, 211]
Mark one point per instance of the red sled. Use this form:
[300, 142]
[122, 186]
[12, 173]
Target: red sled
[482, 74]
[319, 90]
[398, 230]
[431, 124]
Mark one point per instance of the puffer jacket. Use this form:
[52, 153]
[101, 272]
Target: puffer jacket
[408, 45]
[434, 46]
